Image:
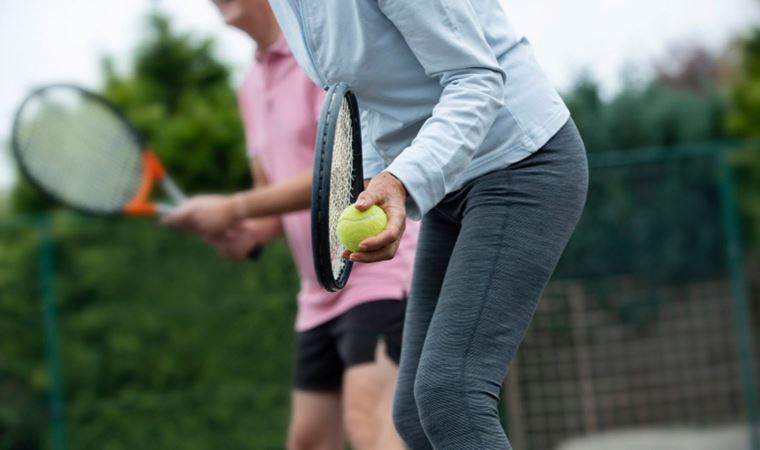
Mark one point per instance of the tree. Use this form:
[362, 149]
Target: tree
[164, 345]
[743, 120]
[179, 96]
[743, 117]
[682, 104]
[650, 205]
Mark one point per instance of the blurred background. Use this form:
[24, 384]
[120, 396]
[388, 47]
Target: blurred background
[120, 334]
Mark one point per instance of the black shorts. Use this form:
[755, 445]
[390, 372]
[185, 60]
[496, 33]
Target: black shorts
[325, 352]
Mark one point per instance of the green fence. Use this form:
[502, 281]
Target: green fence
[645, 329]
[20, 407]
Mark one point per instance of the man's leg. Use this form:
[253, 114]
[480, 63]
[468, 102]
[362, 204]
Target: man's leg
[369, 343]
[367, 400]
[316, 412]
[315, 422]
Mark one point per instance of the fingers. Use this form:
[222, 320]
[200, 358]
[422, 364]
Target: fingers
[379, 248]
[183, 216]
[382, 254]
[229, 245]
[180, 219]
[367, 199]
[387, 192]
[393, 232]
[203, 215]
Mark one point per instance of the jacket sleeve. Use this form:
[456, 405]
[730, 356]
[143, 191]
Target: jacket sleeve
[447, 39]
[373, 163]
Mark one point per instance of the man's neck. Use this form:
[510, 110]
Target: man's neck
[266, 41]
[264, 35]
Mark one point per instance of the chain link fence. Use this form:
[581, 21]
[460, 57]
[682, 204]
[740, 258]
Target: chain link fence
[643, 339]
[644, 331]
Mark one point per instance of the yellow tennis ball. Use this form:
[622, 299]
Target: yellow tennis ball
[354, 226]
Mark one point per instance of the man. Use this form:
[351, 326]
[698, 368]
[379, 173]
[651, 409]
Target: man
[348, 343]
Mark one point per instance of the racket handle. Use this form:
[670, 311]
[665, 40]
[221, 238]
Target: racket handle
[173, 190]
[255, 252]
[164, 208]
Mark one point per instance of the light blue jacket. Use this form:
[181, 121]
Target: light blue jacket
[448, 90]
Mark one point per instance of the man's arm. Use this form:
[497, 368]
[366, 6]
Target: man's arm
[268, 227]
[237, 242]
[267, 199]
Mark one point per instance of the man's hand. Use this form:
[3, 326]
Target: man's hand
[237, 242]
[387, 192]
[205, 215]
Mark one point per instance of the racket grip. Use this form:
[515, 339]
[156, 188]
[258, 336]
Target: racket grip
[173, 190]
[255, 252]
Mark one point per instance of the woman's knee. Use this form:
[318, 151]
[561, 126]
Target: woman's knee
[405, 417]
[434, 394]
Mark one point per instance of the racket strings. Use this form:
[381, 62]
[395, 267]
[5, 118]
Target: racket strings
[341, 181]
[79, 150]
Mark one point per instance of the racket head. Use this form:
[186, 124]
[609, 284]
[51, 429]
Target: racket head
[78, 148]
[338, 179]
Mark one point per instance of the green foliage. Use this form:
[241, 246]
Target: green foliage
[164, 345]
[743, 117]
[5, 160]
[179, 96]
[178, 348]
[4, 205]
[22, 374]
[743, 120]
[655, 115]
[652, 205]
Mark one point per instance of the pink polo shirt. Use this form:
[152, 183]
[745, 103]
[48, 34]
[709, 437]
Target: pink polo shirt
[280, 107]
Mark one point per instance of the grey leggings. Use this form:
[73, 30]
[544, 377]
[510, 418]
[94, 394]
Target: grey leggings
[484, 256]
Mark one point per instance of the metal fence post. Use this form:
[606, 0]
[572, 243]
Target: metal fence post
[51, 344]
[738, 286]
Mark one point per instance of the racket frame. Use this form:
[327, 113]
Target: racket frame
[153, 170]
[320, 193]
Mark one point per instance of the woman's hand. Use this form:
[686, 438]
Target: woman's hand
[387, 192]
[205, 215]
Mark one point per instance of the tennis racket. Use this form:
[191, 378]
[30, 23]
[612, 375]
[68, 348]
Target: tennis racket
[80, 149]
[338, 180]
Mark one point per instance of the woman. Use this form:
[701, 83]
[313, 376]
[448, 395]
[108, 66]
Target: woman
[483, 150]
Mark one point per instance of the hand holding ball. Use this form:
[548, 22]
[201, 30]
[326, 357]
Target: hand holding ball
[354, 226]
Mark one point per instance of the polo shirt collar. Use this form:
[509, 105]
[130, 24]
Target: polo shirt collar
[278, 49]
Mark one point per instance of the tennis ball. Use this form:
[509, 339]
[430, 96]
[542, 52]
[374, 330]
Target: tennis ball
[354, 226]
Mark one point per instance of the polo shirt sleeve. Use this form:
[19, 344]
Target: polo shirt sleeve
[245, 95]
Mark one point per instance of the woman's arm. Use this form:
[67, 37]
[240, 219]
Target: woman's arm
[448, 41]
[450, 44]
